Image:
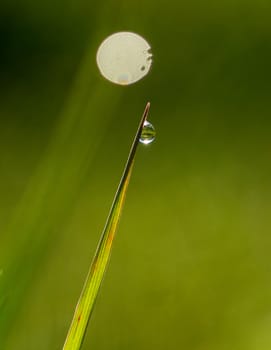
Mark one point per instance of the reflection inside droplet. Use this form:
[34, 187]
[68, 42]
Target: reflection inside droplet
[148, 133]
[123, 79]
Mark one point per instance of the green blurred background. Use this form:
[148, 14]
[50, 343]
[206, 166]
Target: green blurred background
[191, 265]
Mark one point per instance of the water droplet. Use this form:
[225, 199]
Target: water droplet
[148, 133]
[121, 56]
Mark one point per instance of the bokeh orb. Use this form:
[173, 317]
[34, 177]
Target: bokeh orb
[124, 58]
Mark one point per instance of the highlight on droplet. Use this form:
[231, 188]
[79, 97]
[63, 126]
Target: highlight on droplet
[124, 58]
[148, 133]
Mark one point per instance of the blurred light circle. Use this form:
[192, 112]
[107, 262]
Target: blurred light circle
[124, 58]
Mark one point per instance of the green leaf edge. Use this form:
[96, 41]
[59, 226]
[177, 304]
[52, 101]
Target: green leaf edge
[100, 261]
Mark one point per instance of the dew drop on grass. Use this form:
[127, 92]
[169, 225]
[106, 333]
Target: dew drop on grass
[124, 58]
[148, 133]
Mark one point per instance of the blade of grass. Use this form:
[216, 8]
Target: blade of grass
[101, 258]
